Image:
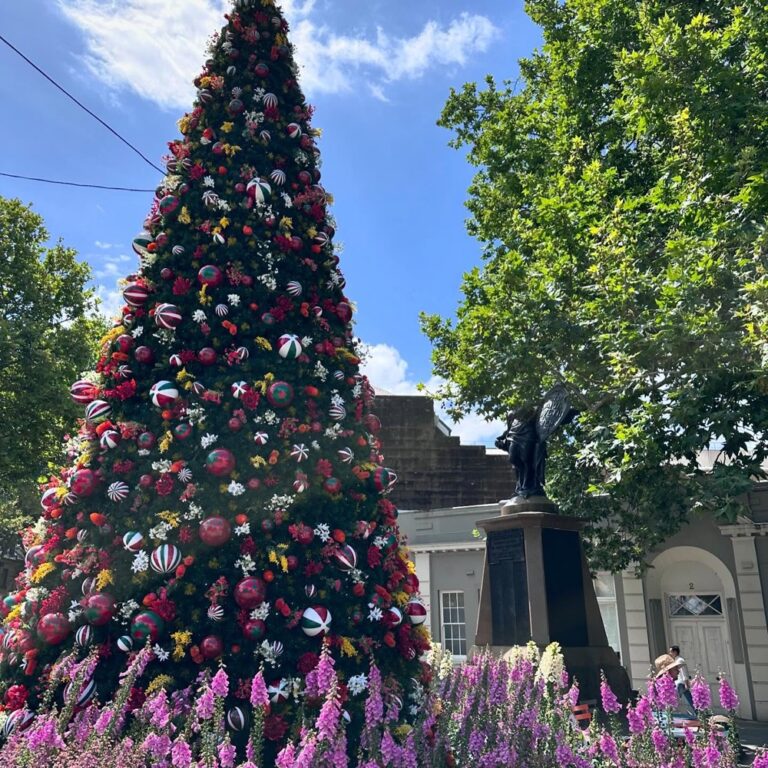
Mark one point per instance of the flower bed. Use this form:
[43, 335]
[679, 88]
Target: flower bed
[487, 713]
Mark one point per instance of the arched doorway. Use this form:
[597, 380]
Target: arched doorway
[693, 588]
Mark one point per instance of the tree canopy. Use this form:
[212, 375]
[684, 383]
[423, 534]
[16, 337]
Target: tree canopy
[47, 330]
[621, 201]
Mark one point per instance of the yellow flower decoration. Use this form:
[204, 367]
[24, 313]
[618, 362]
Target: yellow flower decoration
[203, 296]
[263, 343]
[167, 516]
[181, 639]
[273, 557]
[284, 563]
[41, 572]
[402, 731]
[104, 579]
[165, 442]
[184, 216]
[401, 598]
[223, 222]
[286, 223]
[227, 127]
[231, 149]
[347, 649]
[111, 335]
[184, 376]
[258, 461]
[14, 613]
[161, 681]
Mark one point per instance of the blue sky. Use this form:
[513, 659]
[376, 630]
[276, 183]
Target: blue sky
[378, 74]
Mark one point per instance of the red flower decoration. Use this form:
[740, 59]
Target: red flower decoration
[307, 662]
[275, 728]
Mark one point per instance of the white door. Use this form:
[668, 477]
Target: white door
[703, 644]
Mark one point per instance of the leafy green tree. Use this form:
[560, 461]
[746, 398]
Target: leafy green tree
[621, 201]
[47, 330]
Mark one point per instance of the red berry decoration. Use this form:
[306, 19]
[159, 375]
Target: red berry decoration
[220, 462]
[53, 628]
[250, 592]
[215, 531]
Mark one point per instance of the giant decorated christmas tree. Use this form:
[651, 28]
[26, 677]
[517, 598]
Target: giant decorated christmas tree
[225, 500]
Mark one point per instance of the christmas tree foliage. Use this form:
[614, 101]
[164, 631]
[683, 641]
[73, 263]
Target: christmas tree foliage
[226, 499]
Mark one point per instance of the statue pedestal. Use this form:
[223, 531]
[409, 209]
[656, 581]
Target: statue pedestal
[537, 586]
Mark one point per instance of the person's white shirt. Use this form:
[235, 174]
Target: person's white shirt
[682, 671]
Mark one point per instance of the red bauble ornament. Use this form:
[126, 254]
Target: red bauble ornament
[250, 592]
[53, 628]
[83, 482]
[211, 646]
[144, 355]
[215, 531]
[220, 462]
[124, 342]
[292, 562]
[99, 609]
[254, 629]
[235, 424]
[210, 275]
[207, 356]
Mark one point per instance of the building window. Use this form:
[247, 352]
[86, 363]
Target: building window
[605, 589]
[695, 605]
[454, 623]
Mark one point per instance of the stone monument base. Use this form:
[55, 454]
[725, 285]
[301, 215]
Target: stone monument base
[537, 586]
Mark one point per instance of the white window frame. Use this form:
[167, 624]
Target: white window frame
[457, 657]
[611, 600]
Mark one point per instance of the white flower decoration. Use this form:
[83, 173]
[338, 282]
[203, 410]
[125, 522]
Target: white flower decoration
[208, 439]
[140, 562]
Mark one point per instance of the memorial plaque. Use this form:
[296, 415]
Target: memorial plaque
[506, 545]
[508, 587]
[564, 577]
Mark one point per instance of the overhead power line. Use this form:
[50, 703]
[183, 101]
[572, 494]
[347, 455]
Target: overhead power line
[73, 183]
[80, 104]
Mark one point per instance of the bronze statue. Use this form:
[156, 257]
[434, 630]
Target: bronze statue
[525, 439]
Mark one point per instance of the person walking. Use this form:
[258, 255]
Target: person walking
[683, 678]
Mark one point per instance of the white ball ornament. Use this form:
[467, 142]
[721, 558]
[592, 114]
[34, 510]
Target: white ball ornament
[294, 288]
[163, 394]
[289, 346]
[316, 621]
[118, 491]
[259, 190]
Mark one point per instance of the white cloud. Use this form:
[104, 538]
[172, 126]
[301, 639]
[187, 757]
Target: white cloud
[155, 48]
[111, 300]
[387, 370]
[106, 246]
